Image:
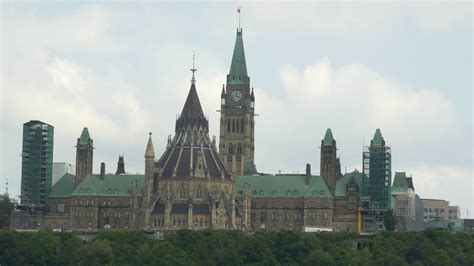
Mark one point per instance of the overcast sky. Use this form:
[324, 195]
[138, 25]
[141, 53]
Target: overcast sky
[122, 70]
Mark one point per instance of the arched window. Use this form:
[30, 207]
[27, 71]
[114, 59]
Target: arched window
[242, 125]
[233, 125]
[237, 126]
[199, 193]
[228, 125]
[182, 192]
[231, 148]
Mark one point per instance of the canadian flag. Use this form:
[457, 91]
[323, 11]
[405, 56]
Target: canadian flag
[238, 9]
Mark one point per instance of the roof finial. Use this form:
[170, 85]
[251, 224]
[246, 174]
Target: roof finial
[193, 80]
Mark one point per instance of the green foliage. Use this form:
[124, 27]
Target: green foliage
[389, 220]
[6, 209]
[219, 247]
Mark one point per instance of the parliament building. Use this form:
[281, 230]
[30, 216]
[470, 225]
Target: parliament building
[197, 183]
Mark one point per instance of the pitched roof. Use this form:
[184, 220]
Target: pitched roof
[341, 184]
[378, 139]
[328, 138]
[84, 138]
[400, 182]
[64, 187]
[192, 114]
[238, 66]
[283, 186]
[109, 185]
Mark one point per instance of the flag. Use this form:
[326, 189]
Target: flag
[238, 10]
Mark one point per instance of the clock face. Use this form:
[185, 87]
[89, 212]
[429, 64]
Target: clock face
[236, 96]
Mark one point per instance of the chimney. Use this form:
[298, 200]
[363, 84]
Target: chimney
[308, 174]
[102, 170]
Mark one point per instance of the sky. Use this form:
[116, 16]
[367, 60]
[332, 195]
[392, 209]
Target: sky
[122, 70]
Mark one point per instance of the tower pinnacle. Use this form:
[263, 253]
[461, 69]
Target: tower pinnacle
[193, 80]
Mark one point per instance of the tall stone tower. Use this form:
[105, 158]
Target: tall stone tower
[84, 152]
[330, 164]
[236, 143]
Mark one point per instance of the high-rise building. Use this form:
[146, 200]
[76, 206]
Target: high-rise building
[84, 156]
[330, 167]
[377, 167]
[236, 143]
[37, 162]
[60, 169]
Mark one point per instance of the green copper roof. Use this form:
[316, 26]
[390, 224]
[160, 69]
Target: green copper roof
[109, 185]
[400, 182]
[238, 67]
[328, 139]
[378, 139]
[283, 186]
[64, 187]
[341, 184]
[84, 139]
[249, 167]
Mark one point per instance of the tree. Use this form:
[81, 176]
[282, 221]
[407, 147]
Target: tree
[6, 209]
[389, 220]
[96, 252]
[319, 257]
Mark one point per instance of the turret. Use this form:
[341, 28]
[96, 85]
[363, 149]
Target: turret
[223, 95]
[120, 166]
[252, 100]
[330, 165]
[148, 189]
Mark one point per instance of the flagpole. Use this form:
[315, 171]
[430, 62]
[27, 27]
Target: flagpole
[239, 16]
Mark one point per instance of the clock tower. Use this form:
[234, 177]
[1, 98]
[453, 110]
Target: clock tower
[236, 142]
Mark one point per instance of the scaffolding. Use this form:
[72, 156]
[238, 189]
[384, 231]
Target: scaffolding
[27, 216]
[376, 165]
[371, 216]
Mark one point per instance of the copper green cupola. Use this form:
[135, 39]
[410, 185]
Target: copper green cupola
[238, 68]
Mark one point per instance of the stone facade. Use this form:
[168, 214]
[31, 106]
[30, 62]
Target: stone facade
[237, 124]
[193, 186]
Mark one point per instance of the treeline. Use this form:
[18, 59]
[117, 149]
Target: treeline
[216, 247]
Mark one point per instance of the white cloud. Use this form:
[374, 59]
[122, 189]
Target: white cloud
[356, 18]
[445, 182]
[354, 100]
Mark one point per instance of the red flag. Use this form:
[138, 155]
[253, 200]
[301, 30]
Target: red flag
[238, 10]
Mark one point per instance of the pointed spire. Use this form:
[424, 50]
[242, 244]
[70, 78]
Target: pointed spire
[238, 68]
[378, 139]
[328, 138]
[192, 114]
[252, 96]
[84, 138]
[192, 106]
[150, 151]
[223, 92]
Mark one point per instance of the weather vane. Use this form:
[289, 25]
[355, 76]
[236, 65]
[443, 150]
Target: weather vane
[193, 80]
